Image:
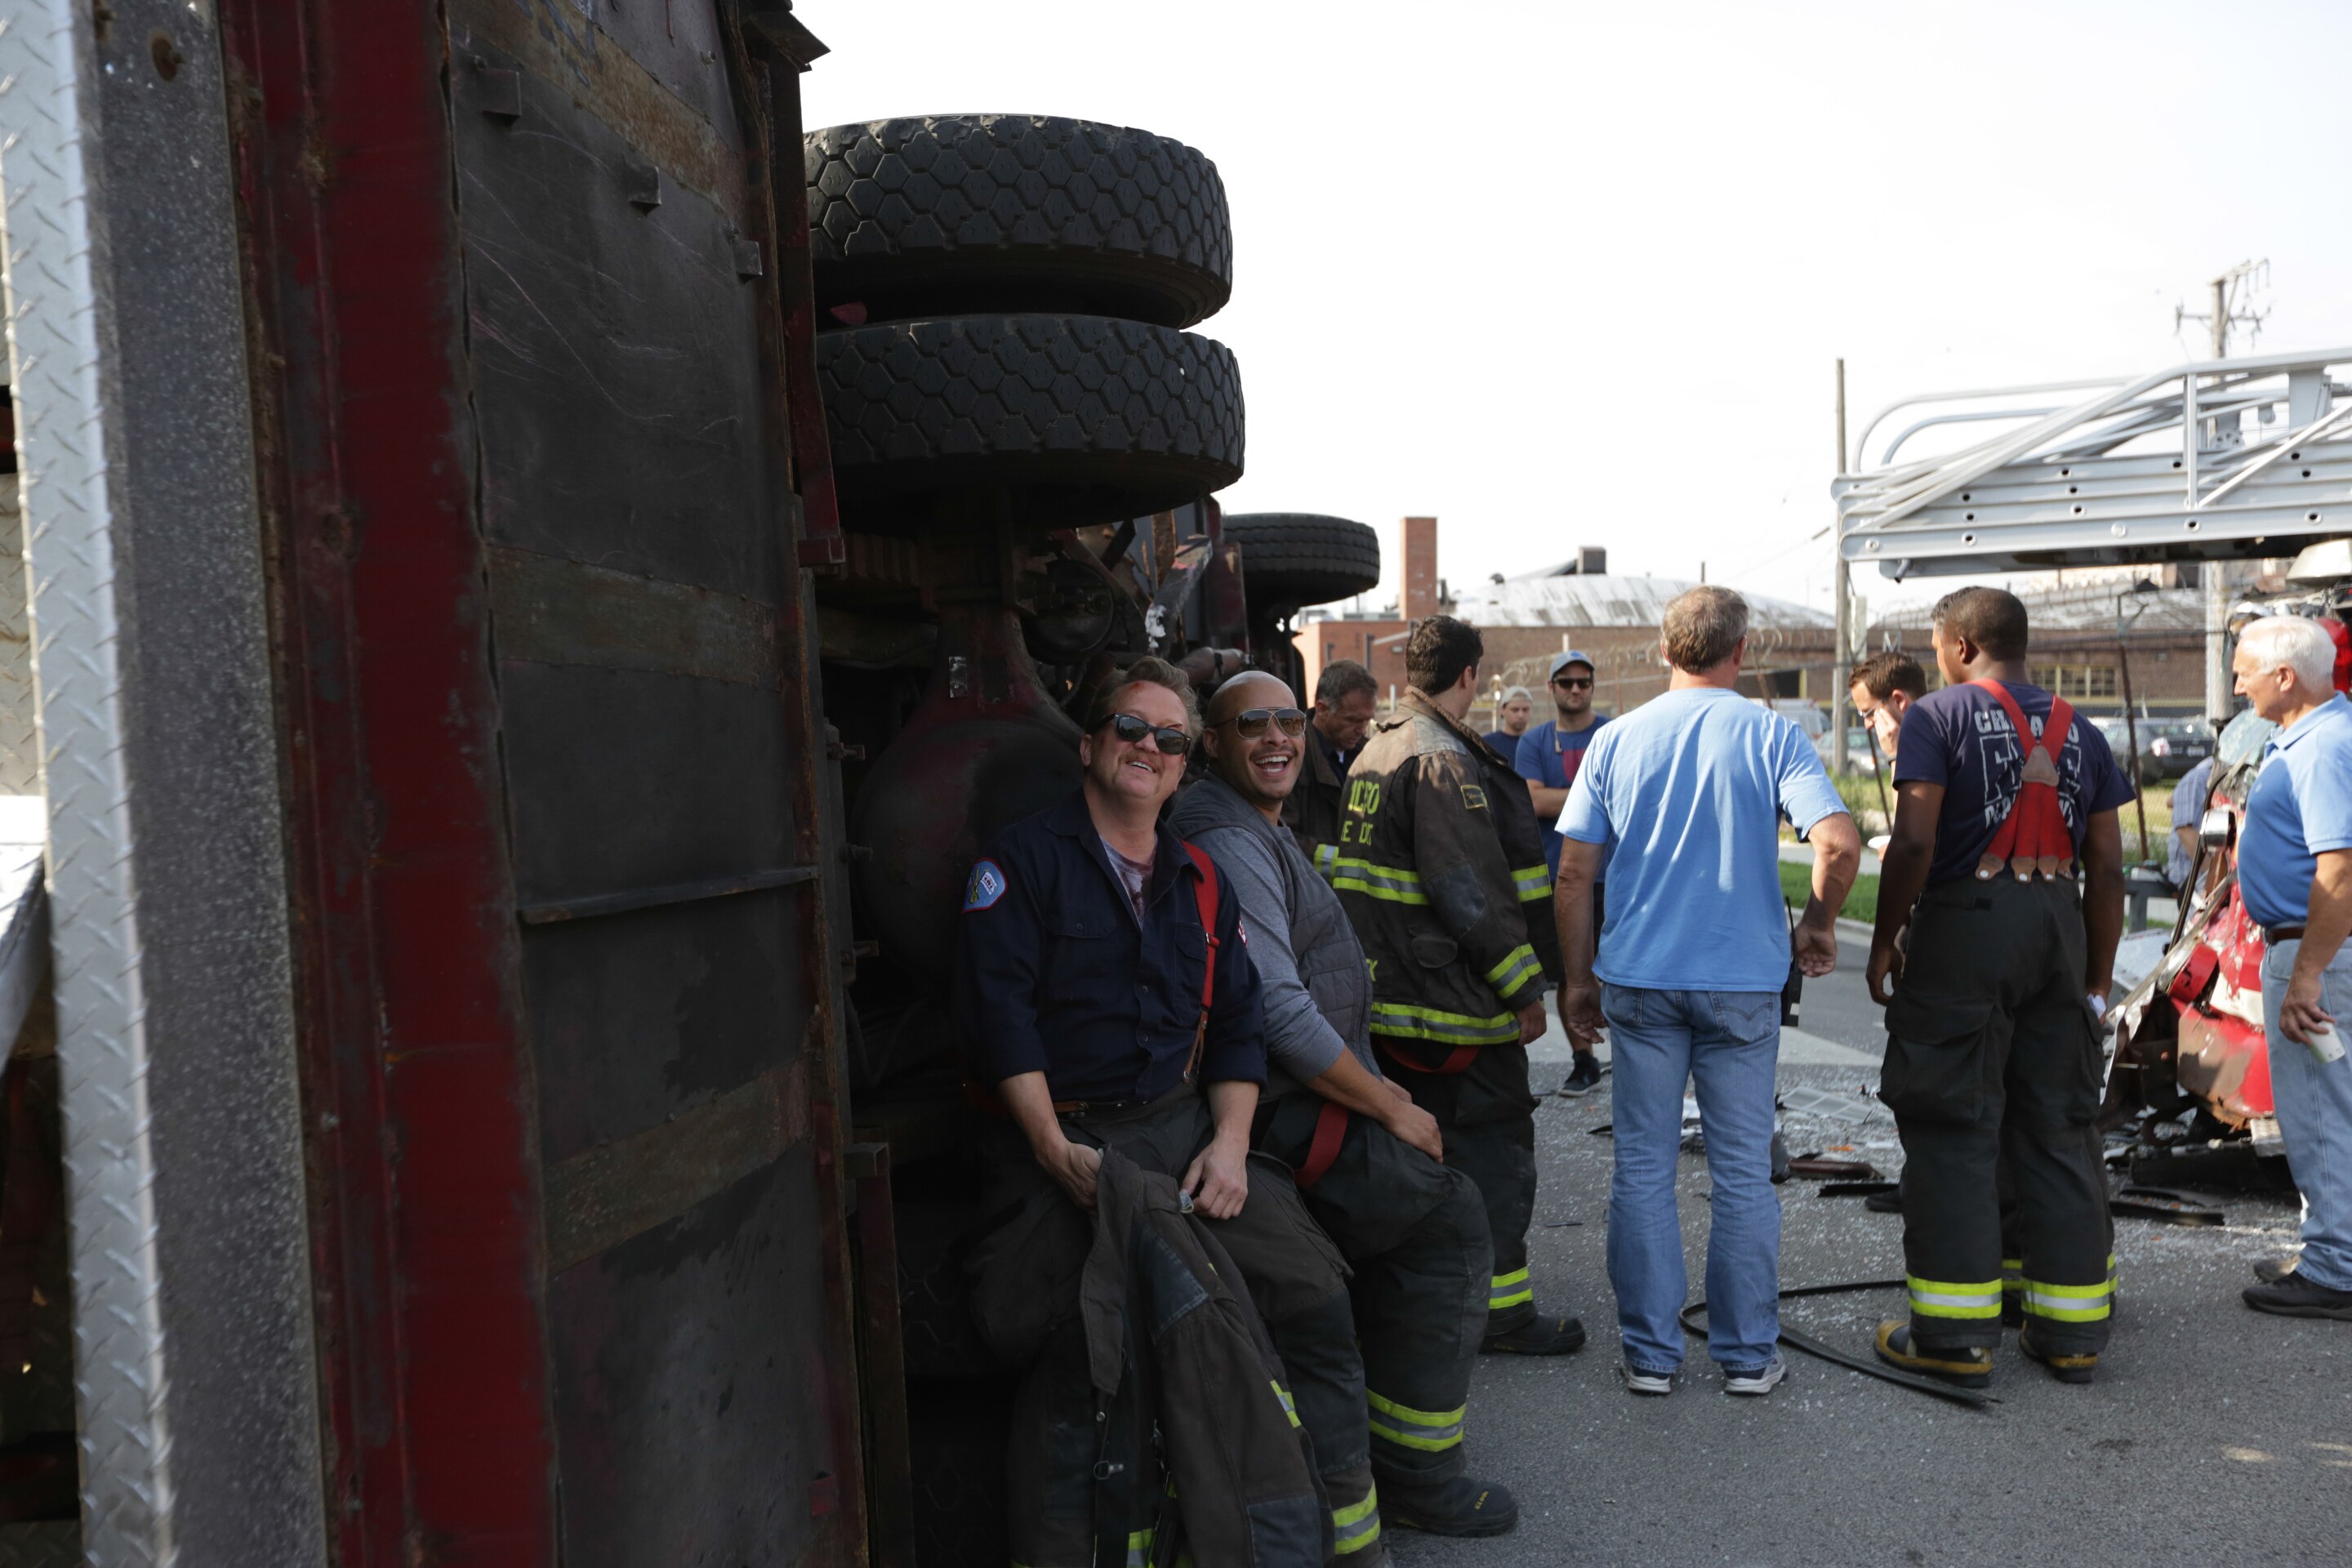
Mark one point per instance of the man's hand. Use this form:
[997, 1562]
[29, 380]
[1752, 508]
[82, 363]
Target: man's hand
[1218, 1178]
[1409, 1124]
[1396, 1088]
[1579, 1011]
[1531, 1022]
[1816, 943]
[1074, 1165]
[1885, 969]
[2299, 1011]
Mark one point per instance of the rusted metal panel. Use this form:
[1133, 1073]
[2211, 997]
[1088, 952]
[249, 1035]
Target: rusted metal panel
[597, 905]
[605, 1195]
[663, 90]
[552, 610]
[615, 371]
[699, 1437]
[426, 1223]
[890, 1489]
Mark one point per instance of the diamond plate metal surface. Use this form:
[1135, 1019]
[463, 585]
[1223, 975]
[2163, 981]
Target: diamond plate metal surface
[59, 324]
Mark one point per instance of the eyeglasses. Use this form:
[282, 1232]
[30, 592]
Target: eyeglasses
[1171, 740]
[1251, 723]
[1574, 682]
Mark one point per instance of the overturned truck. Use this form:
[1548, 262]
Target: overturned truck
[541, 576]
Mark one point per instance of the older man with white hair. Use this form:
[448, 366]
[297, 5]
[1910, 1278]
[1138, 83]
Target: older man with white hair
[2294, 874]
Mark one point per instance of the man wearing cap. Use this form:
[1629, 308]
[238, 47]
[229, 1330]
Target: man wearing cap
[1547, 757]
[1513, 708]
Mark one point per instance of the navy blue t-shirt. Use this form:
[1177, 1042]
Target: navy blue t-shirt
[1962, 739]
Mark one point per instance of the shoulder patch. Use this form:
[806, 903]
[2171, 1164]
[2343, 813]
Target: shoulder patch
[1473, 797]
[1241, 929]
[986, 887]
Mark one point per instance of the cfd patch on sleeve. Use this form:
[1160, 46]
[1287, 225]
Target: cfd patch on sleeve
[1473, 798]
[987, 885]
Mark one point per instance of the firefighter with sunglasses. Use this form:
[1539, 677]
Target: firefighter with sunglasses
[1368, 1161]
[1107, 1001]
[1441, 869]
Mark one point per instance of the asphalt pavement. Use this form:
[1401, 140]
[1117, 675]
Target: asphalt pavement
[2213, 1436]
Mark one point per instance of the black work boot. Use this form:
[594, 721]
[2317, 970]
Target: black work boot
[2066, 1366]
[1460, 1505]
[2297, 1297]
[1966, 1366]
[1543, 1334]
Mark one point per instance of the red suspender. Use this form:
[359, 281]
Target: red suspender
[2033, 835]
[1204, 895]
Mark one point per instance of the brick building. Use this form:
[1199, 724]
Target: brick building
[2077, 649]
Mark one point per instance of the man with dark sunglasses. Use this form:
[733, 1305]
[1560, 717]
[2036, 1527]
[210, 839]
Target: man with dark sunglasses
[1107, 999]
[1368, 1160]
[1547, 757]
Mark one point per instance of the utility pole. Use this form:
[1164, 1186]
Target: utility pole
[2215, 575]
[1841, 655]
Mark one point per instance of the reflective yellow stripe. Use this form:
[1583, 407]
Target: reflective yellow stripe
[1356, 1511]
[1287, 1407]
[2068, 1303]
[1533, 882]
[1327, 860]
[1509, 1290]
[1939, 1298]
[1390, 884]
[1514, 970]
[1446, 1028]
[1357, 1526]
[2012, 1276]
[1431, 1431]
[1138, 1548]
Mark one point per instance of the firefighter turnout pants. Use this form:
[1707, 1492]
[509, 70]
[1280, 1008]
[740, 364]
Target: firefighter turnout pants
[1414, 1232]
[1024, 1267]
[1486, 1114]
[1993, 1072]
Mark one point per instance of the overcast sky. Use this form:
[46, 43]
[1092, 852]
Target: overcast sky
[1570, 273]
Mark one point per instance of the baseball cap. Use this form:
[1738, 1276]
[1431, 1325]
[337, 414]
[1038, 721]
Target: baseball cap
[1515, 693]
[1571, 656]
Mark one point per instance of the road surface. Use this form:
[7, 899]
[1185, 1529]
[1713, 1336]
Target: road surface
[2214, 1434]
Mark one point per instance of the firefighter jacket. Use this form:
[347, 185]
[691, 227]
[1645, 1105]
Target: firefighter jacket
[1312, 812]
[1441, 867]
[1172, 1345]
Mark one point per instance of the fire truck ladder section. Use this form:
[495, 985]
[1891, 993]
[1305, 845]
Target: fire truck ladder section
[2219, 460]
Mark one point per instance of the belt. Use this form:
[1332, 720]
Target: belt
[2274, 935]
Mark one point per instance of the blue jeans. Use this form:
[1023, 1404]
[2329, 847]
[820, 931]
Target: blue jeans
[1729, 1042]
[2315, 1116]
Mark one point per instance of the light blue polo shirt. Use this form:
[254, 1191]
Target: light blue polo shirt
[1688, 791]
[2301, 808]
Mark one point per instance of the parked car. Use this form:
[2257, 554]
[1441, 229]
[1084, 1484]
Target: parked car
[2169, 751]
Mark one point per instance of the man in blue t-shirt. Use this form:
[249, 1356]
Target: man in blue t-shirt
[1547, 757]
[1686, 796]
[1992, 1005]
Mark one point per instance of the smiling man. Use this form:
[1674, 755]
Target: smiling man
[1105, 992]
[1368, 1160]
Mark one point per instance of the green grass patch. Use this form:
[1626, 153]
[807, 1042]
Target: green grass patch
[1797, 886]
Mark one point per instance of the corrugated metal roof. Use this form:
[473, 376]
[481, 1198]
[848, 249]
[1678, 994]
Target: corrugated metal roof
[2087, 609]
[1541, 600]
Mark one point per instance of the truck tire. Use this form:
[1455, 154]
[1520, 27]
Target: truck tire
[1293, 559]
[1064, 419]
[953, 213]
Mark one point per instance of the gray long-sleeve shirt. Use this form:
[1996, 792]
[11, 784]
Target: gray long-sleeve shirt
[1310, 968]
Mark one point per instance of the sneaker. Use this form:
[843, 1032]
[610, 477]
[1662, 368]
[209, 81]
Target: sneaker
[1967, 1366]
[2295, 1297]
[1640, 1381]
[1755, 1380]
[2271, 1271]
[2067, 1367]
[1459, 1507]
[1539, 1335]
[1584, 1076]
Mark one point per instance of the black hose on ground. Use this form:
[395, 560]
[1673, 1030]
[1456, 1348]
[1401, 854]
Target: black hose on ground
[1694, 1321]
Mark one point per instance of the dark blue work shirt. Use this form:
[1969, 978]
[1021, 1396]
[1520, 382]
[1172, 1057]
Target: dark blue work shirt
[1963, 739]
[1055, 974]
